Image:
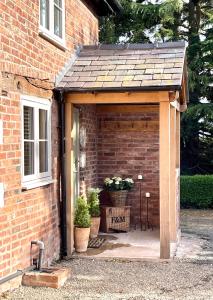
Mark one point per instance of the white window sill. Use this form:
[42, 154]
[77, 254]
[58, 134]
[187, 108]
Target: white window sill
[35, 184]
[52, 39]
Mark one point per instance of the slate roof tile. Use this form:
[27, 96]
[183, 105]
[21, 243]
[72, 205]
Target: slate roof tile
[123, 66]
[143, 77]
[112, 84]
[131, 83]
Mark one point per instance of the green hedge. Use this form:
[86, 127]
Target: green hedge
[196, 191]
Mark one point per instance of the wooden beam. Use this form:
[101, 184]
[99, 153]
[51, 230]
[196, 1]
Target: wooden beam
[125, 108]
[69, 179]
[172, 192]
[164, 179]
[116, 97]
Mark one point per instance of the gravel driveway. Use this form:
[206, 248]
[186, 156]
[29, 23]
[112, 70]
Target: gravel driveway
[180, 279]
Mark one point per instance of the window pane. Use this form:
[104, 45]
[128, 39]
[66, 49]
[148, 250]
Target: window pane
[44, 13]
[58, 2]
[57, 22]
[28, 123]
[28, 158]
[42, 124]
[43, 159]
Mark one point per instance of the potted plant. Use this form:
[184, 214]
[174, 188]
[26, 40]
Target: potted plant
[118, 189]
[94, 209]
[82, 224]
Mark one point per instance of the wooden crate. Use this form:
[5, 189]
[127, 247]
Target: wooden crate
[115, 218]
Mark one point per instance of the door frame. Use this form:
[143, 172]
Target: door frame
[76, 111]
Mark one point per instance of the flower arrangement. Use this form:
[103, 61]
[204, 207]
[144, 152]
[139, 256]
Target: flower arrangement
[118, 184]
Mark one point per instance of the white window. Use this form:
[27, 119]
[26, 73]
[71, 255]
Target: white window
[36, 142]
[52, 20]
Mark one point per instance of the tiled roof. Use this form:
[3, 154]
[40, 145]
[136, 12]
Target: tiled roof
[132, 66]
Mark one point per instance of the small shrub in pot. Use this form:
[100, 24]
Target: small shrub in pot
[94, 209]
[82, 224]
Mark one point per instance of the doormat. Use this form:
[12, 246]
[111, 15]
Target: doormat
[96, 242]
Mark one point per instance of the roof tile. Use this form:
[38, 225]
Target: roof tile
[131, 83]
[105, 78]
[143, 77]
[144, 66]
[82, 62]
[151, 82]
[173, 71]
[92, 84]
[112, 84]
[123, 66]
[87, 78]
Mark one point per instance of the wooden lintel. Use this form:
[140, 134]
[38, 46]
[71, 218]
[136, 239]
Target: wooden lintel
[117, 97]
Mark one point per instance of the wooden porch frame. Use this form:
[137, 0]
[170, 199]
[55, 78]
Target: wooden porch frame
[167, 172]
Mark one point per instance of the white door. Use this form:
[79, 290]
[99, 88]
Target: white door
[76, 155]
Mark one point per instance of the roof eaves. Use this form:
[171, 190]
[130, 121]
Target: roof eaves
[120, 89]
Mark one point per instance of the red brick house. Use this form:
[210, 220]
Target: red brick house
[37, 39]
[115, 111]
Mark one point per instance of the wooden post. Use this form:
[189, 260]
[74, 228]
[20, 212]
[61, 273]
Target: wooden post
[69, 181]
[164, 179]
[173, 200]
[178, 170]
[178, 139]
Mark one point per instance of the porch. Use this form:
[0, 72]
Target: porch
[146, 114]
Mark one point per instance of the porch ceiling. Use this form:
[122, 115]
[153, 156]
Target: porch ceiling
[124, 67]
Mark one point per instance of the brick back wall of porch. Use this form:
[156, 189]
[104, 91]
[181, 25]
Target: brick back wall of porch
[127, 152]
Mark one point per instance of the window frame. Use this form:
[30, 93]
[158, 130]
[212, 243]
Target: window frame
[37, 178]
[49, 33]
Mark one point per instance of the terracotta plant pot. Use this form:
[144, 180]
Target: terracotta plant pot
[118, 198]
[81, 239]
[94, 228]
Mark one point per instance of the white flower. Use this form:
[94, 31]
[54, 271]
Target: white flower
[118, 178]
[129, 180]
[107, 180]
[117, 182]
[110, 182]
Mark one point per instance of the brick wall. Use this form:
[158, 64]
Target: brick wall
[25, 59]
[126, 148]
[21, 45]
[88, 124]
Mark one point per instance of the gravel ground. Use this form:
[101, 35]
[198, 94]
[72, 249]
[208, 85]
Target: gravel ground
[180, 279]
